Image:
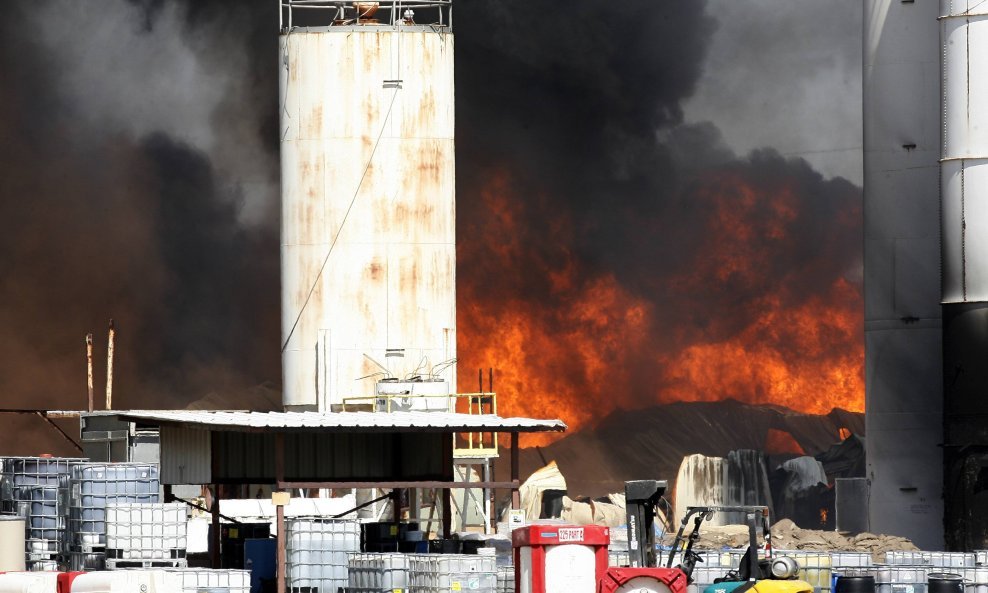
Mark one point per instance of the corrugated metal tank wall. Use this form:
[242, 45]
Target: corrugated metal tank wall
[368, 207]
[903, 378]
[964, 195]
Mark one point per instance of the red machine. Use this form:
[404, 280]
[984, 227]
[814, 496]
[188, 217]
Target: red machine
[641, 499]
[560, 558]
[643, 580]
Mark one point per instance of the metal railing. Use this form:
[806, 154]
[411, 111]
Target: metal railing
[470, 444]
[320, 13]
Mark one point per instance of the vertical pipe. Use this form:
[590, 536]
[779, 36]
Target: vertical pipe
[214, 508]
[447, 513]
[515, 495]
[448, 476]
[279, 476]
[89, 370]
[281, 576]
[109, 368]
[214, 545]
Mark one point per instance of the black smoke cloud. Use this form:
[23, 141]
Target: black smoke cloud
[584, 113]
[126, 197]
[139, 181]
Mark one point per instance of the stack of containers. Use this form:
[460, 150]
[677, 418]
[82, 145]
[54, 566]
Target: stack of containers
[936, 559]
[441, 573]
[233, 540]
[93, 487]
[141, 533]
[844, 562]
[385, 537]
[317, 553]
[894, 578]
[840, 560]
[36, 488]
[378, 573]
[195, 580]
[617, 550]
[506, 579]
[975, 579]
[901, 578]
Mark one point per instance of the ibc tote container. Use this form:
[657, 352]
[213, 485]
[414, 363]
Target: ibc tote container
[93, 487]
[441, 573]
[36, 488]
[378, 573]
[317, 553]
[147, 531]
[194, 580]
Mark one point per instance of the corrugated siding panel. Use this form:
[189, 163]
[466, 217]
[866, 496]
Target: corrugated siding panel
[185, 456]
[250, 456]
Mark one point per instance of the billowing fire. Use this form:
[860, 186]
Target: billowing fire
[748, 309]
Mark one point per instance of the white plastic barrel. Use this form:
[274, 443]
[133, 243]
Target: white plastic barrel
[28, 582]
[127, 581]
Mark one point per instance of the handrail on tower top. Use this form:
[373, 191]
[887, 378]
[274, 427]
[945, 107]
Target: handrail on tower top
[437, 14]
[466, 445]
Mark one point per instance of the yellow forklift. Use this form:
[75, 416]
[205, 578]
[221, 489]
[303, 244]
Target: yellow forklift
[771, 574]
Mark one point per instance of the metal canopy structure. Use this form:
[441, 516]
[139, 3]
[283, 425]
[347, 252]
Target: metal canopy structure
[340, 422]
[321, 449]
[310, 450]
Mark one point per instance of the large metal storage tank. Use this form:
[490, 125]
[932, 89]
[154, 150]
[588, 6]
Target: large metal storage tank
[964, 195]
[368, 205]
[904, 393]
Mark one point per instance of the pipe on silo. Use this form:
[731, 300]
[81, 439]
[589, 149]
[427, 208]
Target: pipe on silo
[964, 256]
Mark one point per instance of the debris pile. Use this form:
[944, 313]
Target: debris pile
[786, 535]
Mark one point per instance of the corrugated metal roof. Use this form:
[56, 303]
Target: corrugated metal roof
[338, 421]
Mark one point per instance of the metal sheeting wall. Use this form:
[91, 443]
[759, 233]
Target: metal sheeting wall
[964, 199]
[368, 207]
[250, 456]
[187, 456]
[903, 377]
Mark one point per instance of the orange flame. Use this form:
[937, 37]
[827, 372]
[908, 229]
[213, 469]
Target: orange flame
[780, 442]
[591, 345]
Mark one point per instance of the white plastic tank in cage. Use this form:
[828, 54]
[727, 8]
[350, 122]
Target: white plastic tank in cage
[318, 552]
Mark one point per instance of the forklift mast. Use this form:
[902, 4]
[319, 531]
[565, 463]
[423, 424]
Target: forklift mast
[641, 498]
[756, 519]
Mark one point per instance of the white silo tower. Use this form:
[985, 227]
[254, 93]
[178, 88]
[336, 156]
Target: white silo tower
[368, 215]
[903, 378]
[964, 220]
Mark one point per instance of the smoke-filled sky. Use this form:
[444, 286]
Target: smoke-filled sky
[629, 232]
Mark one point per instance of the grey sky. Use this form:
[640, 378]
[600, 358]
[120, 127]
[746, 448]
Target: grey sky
[786, 74]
